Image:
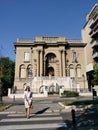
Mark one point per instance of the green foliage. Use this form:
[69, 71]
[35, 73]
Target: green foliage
[70, 94]
[7, 77]
[95, 75]
[86, 102]
[51, 93]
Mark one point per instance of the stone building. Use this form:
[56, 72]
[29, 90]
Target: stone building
[49, 56]
[58, 56]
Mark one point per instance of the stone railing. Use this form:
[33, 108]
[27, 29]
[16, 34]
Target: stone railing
[74, 40]
[25, 40]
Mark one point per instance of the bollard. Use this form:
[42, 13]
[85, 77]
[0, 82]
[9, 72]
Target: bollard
[74, 119]
[13, 98]
[73, 116]
[94, 93]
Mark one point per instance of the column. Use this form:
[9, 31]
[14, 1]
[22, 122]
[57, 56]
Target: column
[60, 52]
[44, 66]
[41, 62]
[63, 63]
[38, 62]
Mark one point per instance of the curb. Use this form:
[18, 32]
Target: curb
[69, 108]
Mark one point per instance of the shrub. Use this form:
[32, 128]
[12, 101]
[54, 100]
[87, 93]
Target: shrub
[51, 93]
[70, 94]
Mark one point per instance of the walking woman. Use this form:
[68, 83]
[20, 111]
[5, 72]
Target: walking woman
[27, 101]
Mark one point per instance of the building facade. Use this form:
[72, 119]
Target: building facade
[90, 36]
[49, 56]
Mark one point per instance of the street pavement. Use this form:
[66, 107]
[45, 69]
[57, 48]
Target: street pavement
[43, 121]
[14, 118]
[45, 115]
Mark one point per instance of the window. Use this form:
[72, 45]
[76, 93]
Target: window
[29, 71]
[26, 56]
[51, 57]
[72, 73]
[78, 71]
[22, 71]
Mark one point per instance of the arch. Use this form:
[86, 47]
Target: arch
[41, 89]
[71, 70]
[51, 57]
[78, 67]
[50, 60]
[29, 70]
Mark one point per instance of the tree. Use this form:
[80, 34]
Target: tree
[95, 75]
[7, 77]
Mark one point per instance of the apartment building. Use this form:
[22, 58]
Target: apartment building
[90, 36]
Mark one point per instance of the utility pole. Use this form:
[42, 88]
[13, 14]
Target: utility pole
[1, 82]
[31, 70]
[1, 74]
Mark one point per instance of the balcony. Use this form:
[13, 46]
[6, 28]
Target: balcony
[91, 23]
[94, 21]
[94, 33]
[94, 43]
[95, 55]
[94, 29]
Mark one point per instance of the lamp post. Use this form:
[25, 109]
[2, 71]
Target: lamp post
[30, 71]
[0, 91]
[0, 83]
[75, 71]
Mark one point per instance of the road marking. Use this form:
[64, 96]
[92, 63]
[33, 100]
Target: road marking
[33, 126]
[45, 114]
[37, 121]
[31, 119]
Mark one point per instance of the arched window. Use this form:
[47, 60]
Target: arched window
[22, 71]
[78, 70]
[51, 57]
[71, 68]
[29, 71]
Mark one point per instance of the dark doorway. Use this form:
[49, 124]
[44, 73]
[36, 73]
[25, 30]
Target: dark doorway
[50, 71]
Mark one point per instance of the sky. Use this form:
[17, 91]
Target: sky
[31, 18]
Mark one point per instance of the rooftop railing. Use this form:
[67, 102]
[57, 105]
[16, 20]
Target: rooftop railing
[31, 40]
[25, 40]
[74, 40]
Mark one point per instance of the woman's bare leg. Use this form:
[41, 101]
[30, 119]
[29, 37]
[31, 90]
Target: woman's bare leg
[28, 112]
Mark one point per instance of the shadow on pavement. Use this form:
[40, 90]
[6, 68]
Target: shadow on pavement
[88, 118]
[42, 111]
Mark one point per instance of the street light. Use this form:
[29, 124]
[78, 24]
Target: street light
[0, 83]
[30, 71]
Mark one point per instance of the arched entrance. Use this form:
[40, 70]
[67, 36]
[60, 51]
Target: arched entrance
[50, 71]
[50, 62]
